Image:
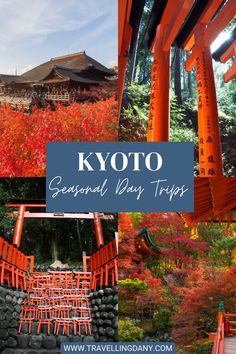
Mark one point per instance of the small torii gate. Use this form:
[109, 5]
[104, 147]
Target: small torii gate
[192, 25]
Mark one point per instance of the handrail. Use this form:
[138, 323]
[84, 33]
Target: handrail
[11, 255]
[230, 324]
[225, 327]
[103, 255]
[103, 265]
[15, 100]
[59, 97]
[219, 337]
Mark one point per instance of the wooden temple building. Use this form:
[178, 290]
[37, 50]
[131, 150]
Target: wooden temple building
[61, 79]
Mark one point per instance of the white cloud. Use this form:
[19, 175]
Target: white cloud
[28, 29]
[23, 19]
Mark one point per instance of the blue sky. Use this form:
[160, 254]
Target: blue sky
[33, 31]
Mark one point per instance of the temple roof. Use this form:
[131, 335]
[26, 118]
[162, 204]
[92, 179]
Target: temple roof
[67, 66]
[145, 245]
[7, 79]
[67, 74]
[77, 63]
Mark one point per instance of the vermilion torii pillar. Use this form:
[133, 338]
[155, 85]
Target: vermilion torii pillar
[210, 154]
[98, 230]
[124, 39]
[19, 226]
[159, 112]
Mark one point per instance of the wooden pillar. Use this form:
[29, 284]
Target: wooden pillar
[98, 230]
[19, 226]
[31, 263]
[210, 154]
[85, 269]
[159, 112]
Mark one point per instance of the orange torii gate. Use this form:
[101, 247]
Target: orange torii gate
[215, 201]
[103, 263]
[172, 20]
[229, 53]
[203, 21]
[205, 32]
[22, 214]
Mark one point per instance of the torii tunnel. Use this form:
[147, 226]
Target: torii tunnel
[192, 25]
[102, 264]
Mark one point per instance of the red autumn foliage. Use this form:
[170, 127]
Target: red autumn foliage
[153, 296]
[127, 250]
[169, 233]
[144, 297]
[125, 226]
[204, 289]
[24, 136]
[190, 288]
[104, 91]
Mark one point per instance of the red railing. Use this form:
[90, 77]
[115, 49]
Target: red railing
[230, 324]
[14, 265]
[103, 266]
[226, 327]
[219, 336]
[103, 255]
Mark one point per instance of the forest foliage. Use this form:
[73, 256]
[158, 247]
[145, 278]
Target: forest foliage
[176, 293]
[183, 99]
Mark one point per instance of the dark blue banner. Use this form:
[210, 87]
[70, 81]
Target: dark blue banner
[116, 177]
